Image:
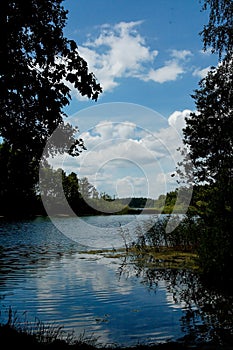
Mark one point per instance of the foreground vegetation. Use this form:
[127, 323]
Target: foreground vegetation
[39, 336]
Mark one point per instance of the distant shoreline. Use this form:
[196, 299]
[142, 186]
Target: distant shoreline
[130, 211]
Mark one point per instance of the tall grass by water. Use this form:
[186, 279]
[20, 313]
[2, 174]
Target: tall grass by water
[18, 333]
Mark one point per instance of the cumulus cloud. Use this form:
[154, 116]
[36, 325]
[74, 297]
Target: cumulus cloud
[124, 158]
[130, 186]
[177, 119]
[201, 73]
[172, 68]
[169, 72]
[120, 51]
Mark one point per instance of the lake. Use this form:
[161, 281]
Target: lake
[47, 271]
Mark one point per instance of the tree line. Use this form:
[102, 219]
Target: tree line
[57, 187]
[20, 193]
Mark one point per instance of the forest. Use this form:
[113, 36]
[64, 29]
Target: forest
[81, 195]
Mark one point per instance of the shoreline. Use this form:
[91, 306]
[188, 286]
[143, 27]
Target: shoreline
[11, 337]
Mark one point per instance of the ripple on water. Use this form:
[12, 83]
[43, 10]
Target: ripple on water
[52, 277]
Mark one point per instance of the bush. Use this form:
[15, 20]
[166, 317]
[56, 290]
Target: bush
[185, 236]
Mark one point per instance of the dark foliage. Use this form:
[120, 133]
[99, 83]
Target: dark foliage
[217, 34]
[209, 139]
[37, 64]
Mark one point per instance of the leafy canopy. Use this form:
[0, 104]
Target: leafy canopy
[209, 139]
[218, 33]
[208, 133]
[37, 64]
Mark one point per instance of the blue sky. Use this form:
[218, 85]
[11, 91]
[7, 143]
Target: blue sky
[147, 55]
[163, 28]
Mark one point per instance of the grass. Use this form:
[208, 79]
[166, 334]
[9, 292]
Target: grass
[153, 257]
[20, 333]
[154, 245]
[166, 257]
[11, 337]
[107, 253]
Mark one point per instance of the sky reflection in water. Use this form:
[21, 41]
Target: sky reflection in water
[53, 278]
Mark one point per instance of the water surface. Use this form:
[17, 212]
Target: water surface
[48, 275]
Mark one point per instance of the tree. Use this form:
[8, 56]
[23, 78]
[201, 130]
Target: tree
[16, 185]
[209, 139]
[37, 64]
[71, 186]
[209, 131]
[217, 34]
[85, 188]
[95, 193]
[55, 185]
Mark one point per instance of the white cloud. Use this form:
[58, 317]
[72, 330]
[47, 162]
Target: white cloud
[169, 72]
[119, 51]
[177, 119]
[126, 147]
[130, 186]
[201, 73]
[172, 69]
[107, 129]
[123, 157]
[181, 54]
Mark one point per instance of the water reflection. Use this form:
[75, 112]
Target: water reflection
[29, 245]
[122, 300]
[207, 313]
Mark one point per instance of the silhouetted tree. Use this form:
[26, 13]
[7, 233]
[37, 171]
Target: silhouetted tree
[37, 65]
[208, 135]
[17, 179]
[37, 62]
[217, 34]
